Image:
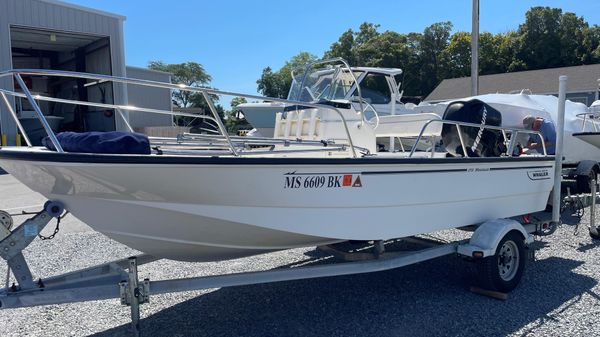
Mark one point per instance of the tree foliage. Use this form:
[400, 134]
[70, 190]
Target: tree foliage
[235, 121]
[189, 73]
[547, 38]
[277, 84]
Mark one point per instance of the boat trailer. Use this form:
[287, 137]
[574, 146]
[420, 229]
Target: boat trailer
[119, 279]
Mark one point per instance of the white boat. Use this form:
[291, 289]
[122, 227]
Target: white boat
[590, 130]
[207, 198]
[515, 107]
[379, 89]
[581, 154]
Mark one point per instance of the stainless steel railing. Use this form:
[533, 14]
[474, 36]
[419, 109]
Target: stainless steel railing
[514, 132]
[206, 92]
[228, 144]
[591, 117]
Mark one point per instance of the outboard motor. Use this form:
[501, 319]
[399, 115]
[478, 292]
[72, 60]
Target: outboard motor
[479, 142]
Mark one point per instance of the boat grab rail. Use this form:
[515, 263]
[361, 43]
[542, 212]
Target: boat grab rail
[513, 131]
[206, 92]
[589, 116]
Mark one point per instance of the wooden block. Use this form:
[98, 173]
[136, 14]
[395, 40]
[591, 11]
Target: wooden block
[489, 293]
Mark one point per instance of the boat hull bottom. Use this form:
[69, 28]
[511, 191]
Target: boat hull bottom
[156, 230]
[181, 251]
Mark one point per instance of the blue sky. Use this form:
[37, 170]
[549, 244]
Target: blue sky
[235, 40]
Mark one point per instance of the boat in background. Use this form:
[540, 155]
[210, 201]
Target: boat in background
[319, 81]
[590, 130]
[581, 153]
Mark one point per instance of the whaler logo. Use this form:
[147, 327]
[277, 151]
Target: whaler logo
[538, 174]
[295, 180]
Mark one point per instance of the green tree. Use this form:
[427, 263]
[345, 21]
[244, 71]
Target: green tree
[388, 49]
[433, 42]
[572, 34]
[235, 120]
[591, 42]
[277, 84]
[189, 73]
[540, 38]
[343, 47]
[366, 32]
[412, 69]
[547, 38]
[495, 53]
[458, 55]
[349, 43]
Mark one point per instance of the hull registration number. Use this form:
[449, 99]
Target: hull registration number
[312, 181]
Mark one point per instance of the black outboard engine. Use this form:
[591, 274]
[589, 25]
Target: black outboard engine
[479, 142]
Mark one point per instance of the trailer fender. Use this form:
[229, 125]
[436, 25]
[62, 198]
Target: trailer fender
[584, 167]
[488, 235]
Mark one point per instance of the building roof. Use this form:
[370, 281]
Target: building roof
[544, 81]
[83, 8]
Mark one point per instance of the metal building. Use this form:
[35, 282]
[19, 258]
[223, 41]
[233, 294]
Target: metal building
[156, 98]
[50, 34]
[583, 84]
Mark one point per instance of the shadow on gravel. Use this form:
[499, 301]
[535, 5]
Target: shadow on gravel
[428, 299]
[589, 246]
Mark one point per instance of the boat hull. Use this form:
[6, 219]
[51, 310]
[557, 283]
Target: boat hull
[207, 209]
[592, 138]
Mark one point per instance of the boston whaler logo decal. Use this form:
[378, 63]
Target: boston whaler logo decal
[539, 174]
[295, 180]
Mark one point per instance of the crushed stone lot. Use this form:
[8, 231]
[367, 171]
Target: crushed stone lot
[559, 294]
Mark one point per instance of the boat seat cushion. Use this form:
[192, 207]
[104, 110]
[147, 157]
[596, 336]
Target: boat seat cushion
[113, 142]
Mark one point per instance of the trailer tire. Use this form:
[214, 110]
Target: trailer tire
[593, 235]
[503, 271]
[584, 181]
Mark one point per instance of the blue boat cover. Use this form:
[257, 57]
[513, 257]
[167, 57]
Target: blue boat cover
[113, 142]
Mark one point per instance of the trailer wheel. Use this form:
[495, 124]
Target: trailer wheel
[503, 271]
[584, 181]
[595, 235]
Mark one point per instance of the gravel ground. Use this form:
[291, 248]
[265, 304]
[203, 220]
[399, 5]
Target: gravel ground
[558, 296]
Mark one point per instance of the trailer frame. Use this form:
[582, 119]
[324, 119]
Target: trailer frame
[119, 279]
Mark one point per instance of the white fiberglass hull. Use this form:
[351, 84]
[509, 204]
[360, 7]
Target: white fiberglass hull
[592, 138]
[206, 209]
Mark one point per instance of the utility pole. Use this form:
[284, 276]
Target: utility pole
[475, 49]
